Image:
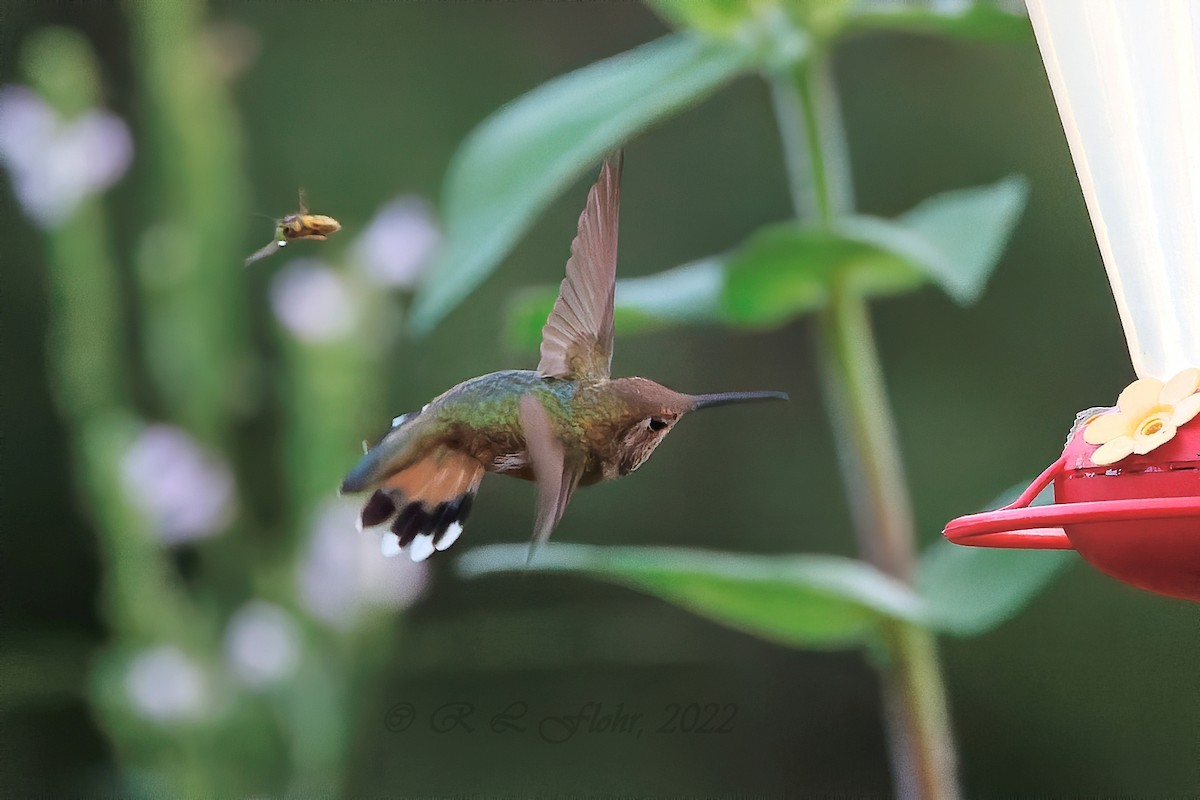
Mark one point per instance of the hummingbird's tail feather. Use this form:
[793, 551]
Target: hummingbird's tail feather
[401, 447]
[426, 505]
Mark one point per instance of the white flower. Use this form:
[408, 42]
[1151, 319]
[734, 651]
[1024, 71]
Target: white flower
[56, 164]
[27, 122]
[185, 492]
[262, 644]
[164, 685]
[312, 301]
[343, 574]
[398, 243]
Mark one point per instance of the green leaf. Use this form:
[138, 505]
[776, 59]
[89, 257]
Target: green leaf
[967, 230]
[978, 21]
[785, 270]
[716, 17]
[800, 601]
[970, 590]
[517, 160]
[527, 312]
[780, 31]
[954, 238]
[689, 294]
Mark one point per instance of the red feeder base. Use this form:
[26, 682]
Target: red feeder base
[1137, 520]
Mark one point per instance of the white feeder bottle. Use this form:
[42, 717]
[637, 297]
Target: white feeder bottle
[1126, 77]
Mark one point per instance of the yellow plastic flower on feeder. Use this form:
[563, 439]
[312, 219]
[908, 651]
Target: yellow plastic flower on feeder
[1148, 413]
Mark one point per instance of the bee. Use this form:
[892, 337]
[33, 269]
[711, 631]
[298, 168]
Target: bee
[301, 225]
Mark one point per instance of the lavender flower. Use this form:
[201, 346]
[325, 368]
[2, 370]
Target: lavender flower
[56, 164]
[312, 301]
[397, 244]
[343, 574]
[262, 644]
[164, 685]
[183, 491]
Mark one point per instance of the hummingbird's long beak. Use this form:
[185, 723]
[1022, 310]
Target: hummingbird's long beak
[725, 398]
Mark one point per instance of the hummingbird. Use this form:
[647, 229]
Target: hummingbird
[301, 225]
[565, 424]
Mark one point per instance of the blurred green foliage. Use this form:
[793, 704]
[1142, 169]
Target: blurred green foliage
[171, 688]
[352, 102]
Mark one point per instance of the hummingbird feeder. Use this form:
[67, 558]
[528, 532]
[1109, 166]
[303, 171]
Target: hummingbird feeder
[1126, 78]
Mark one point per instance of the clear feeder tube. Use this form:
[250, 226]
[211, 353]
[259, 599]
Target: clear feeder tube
[1126, 77]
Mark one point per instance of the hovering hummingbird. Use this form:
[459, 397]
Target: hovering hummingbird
[564, 425]
[301, 225]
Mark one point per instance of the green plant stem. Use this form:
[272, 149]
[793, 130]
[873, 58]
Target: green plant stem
[915, 710]
[857, 399]
[192, 282]
[89, 381]
[795, 133]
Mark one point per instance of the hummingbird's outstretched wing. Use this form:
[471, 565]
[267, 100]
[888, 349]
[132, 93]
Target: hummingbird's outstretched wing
[578, 336]
[555, 472]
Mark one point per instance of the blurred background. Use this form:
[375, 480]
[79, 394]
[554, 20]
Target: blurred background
[1091, 690]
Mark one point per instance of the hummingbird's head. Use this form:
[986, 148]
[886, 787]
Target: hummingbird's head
[653, 410]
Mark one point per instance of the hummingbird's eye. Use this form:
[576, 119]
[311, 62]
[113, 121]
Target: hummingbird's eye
[656, 424]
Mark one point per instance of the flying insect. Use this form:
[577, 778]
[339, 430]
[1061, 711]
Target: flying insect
[301, 225]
